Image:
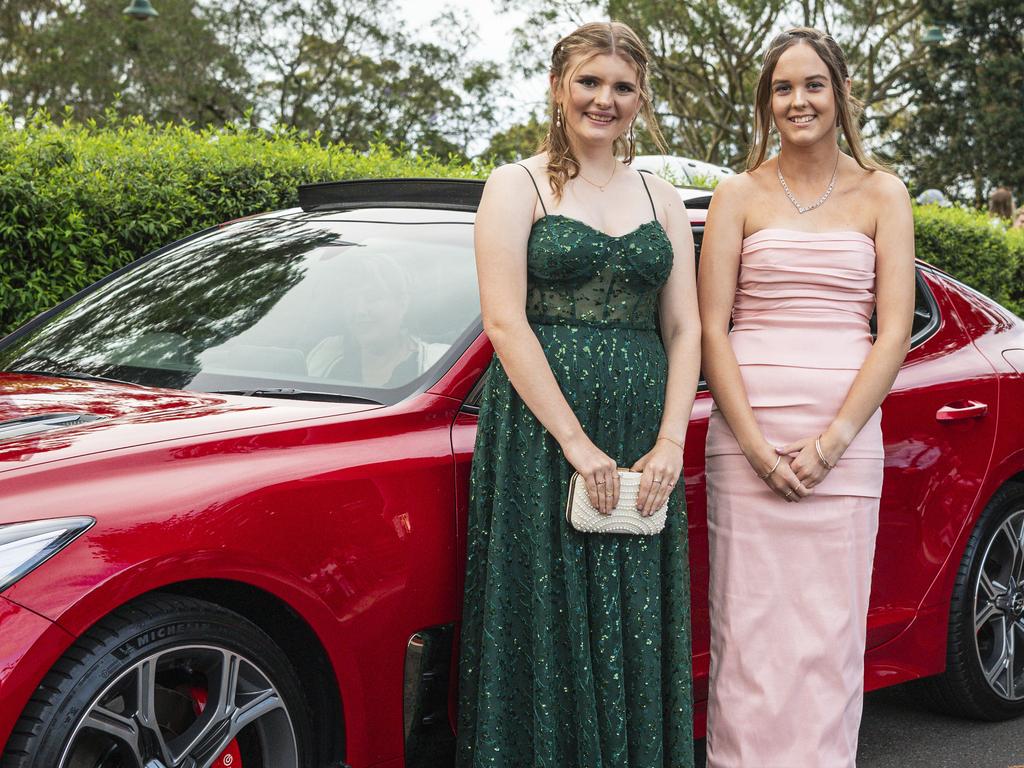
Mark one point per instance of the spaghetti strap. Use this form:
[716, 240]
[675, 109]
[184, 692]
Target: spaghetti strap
[542, 206]
[648, 191]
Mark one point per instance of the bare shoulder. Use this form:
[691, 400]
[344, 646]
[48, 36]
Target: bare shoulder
[666, 195]
[509, 186]
[887, 188]
[734, 187]
[730, 199]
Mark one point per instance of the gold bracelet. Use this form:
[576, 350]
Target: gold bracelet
[821, 454]
[674, 442]
[768, 474]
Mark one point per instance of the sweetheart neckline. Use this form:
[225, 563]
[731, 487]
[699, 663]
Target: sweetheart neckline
[805, 232]
[594, 229]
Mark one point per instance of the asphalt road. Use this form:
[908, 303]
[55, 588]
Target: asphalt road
[898, 732]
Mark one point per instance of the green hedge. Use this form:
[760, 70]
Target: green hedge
[974, 249]
[77, 201]
[1015, 241]
[80, 200]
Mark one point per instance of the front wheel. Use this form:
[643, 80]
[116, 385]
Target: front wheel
[984, 677]
[166, 682]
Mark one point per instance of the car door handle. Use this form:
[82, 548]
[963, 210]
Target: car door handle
[961, 409]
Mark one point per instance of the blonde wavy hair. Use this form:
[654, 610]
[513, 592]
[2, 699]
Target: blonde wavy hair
[576, 49]
[848, 107]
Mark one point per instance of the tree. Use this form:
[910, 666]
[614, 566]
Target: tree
[516, 142]
[706, 57]
[88, 56]
[344, 68]
[966, 133]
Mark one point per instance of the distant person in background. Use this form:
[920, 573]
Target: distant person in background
[1000, 203]
[1018, 218]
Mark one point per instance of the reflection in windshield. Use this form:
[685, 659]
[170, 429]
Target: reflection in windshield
[378, 347]
[321, 305]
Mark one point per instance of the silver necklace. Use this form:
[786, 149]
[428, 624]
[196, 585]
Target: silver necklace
[820, 201]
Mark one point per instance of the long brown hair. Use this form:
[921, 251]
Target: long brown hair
[848, 107]
[588, 41]
[1000, 202]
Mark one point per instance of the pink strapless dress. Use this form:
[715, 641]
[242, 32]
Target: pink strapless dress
[790, 582]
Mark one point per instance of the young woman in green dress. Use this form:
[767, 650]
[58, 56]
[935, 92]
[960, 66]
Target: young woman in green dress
[575, 648]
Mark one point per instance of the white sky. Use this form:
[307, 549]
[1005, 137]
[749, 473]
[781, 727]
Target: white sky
[495, 32]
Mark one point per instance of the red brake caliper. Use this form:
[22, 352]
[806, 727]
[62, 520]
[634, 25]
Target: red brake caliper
[230, 757]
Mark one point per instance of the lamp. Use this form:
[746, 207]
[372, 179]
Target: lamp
[140, 9]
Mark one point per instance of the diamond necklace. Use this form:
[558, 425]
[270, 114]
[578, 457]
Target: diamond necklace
[816, 203]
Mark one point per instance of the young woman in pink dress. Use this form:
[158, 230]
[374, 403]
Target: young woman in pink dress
[798, 252]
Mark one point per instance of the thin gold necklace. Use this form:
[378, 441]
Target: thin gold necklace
[595, 184]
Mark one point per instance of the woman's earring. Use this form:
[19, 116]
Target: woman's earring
[632, 141]
[558, 117]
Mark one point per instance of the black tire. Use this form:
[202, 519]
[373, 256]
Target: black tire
[174, 646]
[963, 689]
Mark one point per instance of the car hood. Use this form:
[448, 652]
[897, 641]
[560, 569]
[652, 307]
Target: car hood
[46, 419]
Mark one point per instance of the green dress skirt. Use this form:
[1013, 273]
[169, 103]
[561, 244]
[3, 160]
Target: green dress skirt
[575, 648]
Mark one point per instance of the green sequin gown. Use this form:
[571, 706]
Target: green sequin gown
[575, 648]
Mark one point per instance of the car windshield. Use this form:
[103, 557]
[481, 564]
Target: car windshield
[365, 309]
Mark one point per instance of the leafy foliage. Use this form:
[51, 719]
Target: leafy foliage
[80, 200]
[89, 55]
[344, 68]
[706, 58]
[972, 248]
[517, 141]
[966, 134]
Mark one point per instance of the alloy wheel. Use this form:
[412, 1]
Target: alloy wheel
[189, 706]
[999, 610]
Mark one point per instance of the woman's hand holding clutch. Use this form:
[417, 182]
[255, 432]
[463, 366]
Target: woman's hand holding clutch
[598, 470]
[661, 468]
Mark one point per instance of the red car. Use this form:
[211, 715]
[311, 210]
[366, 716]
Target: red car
[233, 479]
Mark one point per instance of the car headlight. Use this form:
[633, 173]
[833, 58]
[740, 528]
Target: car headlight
[25, 546]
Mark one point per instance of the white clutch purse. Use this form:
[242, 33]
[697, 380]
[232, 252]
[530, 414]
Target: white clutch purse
[625, 518]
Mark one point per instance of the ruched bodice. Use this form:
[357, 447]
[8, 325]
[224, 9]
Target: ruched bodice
[804, 299]
[801, 331]
[578, 275]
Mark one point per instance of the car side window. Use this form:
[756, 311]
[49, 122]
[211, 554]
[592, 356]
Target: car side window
[926, 314]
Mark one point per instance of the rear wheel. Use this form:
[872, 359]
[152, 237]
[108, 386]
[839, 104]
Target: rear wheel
[166, 682]
[984, 675]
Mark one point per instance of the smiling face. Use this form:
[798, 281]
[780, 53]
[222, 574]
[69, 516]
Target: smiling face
[803, 101]
[599, 97]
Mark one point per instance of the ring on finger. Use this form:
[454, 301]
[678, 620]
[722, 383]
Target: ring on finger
[789, 494]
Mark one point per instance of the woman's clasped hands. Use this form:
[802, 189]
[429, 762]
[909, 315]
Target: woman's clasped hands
[795, 469]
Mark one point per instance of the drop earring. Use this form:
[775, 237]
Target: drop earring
[558, 117]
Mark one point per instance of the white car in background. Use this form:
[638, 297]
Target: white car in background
[682, 171]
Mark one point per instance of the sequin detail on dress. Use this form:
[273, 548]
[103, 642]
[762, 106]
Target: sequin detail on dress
[575, 649]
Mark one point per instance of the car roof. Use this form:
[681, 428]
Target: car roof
[416, 201]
